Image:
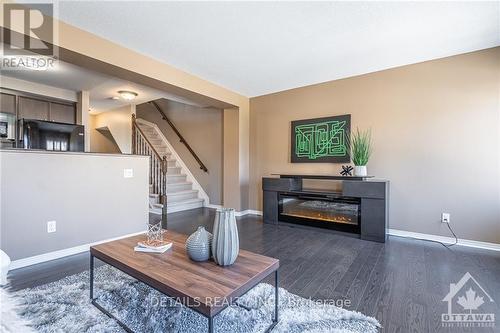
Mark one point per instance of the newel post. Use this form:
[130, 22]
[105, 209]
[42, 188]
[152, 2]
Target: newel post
[164, 169]
[134, 150]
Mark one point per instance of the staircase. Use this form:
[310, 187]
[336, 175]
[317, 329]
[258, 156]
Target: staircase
[167, 172]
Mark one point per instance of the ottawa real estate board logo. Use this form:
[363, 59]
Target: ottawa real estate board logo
[469, 305]
[28, 37]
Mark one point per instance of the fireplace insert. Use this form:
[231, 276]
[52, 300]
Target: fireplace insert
[321, 210]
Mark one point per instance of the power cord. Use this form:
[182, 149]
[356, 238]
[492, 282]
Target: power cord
[435, 241]
[453, 233]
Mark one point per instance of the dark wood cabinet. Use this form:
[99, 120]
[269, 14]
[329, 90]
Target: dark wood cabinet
[62, 113]
[30, 108]
[7, 103]
[33, 108]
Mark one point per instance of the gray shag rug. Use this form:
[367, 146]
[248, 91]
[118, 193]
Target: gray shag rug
[64, 306]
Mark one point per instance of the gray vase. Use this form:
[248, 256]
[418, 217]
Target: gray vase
[198, 245]
[226, 244]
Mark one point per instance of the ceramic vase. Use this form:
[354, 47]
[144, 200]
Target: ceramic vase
[225, 244]
[198, 245]
[360, 170]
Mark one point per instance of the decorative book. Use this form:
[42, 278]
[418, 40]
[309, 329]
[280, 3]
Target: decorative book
[152, 246]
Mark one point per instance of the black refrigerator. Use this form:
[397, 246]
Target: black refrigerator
[49, 135]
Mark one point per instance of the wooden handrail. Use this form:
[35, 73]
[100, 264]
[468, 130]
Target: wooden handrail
[149, 142]
[158, 165]
[181, 138]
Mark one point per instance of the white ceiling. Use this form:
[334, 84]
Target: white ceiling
[101, 87]
[257, 48]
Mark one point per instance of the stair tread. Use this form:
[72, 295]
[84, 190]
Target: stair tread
[180, 184]
[181, 192]
[173, 193]
[178, 203]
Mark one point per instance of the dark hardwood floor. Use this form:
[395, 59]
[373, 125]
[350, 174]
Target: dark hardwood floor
[401, 283]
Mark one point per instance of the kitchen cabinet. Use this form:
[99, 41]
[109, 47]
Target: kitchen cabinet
[62, 113]
[7, 103]
[31, 108]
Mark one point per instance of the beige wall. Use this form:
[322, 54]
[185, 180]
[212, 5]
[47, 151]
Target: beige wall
[231, 170]
[202, 129]
[37, 88]
[86, 194]
[84, 49]
[436, 135]
[101, 141]
[118, 122]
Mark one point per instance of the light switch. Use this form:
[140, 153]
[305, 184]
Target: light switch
[128, 173]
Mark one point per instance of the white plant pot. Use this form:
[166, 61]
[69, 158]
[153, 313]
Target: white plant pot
[360, 170]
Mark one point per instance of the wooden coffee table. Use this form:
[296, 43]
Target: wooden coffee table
[204, 287]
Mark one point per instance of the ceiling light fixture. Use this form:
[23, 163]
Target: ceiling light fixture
[128, 95]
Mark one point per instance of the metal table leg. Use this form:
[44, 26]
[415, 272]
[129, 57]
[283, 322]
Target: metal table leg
[276, 302]
[276, 296]
[91, 277]
[210, 324]
[94, 302]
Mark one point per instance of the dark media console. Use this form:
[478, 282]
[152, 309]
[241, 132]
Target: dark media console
[360, 207]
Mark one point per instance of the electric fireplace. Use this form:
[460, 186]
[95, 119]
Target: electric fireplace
[356, 205]
[321, 210]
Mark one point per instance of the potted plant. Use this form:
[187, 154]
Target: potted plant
[360, 145]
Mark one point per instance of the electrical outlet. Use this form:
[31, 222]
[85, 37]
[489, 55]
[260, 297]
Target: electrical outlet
[51, 226]
[445, 217]
[128, 173]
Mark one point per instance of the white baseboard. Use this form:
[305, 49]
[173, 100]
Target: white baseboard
[213, 206]
[62, 253]
[446, 240]
[238, 214]
[248, 212]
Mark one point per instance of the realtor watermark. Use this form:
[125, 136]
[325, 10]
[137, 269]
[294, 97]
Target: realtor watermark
[469, 305]
[166, 301]
[29, 37]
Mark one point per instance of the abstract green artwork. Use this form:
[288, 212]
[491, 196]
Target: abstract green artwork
[321, 140]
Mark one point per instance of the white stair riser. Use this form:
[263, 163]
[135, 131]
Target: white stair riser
[147, 130]
[181, 197]
[171, 163]
[178, 187]
[174, 171]
[162, 151]
[178, 208]
[176, 179]
[156, 142]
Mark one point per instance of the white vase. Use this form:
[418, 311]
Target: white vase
[360, 171]
[225, 243]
